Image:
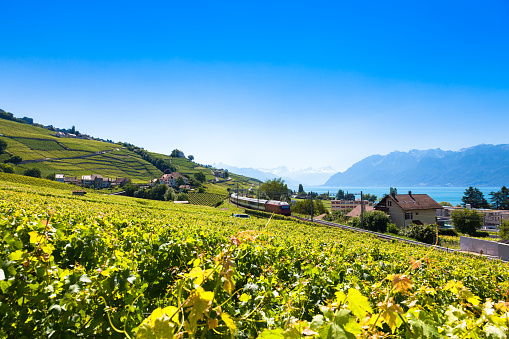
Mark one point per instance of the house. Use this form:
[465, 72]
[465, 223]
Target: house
[344, 205]
[493, 218]
[86, 180]
[97, 180]
[405, 209]
[122, 181]
[71, 180]
[171, 179]
[59, 177]
[356, 212]
[106, 182]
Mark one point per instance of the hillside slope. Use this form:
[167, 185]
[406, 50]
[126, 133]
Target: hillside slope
[482, 165]
[40, 148]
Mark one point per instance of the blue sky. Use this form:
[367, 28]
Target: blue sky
[262, 84]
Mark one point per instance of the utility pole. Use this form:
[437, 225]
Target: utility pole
[311, 206]
[237, 194]
[258, 194]
[362, 212]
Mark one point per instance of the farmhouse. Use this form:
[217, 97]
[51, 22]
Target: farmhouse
[171, 179]
[406, 209]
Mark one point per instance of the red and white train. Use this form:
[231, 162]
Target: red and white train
[270, 206]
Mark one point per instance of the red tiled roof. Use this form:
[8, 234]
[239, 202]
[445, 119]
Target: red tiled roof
[410, 202]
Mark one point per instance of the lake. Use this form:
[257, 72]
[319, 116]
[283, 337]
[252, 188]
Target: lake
[449, 194]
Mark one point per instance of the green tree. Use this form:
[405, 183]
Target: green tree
[199, 176]
[14, 160]
[275, 189]
[503, 230]
[3, 146]
[7, 168]
[170, 194]
[376, 221]
[51, 176]
[180, 181]
[304, 207]
[467, 221]
[500, 199]
[340, 195]
[301, 188]
[369, 197]
[445, 203]
[182, 197]
[129, 189]
[475, 198]
[190, 157]
[175, 153]
[32, 172]
[349, 196]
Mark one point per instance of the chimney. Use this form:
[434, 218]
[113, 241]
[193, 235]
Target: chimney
[410, 193]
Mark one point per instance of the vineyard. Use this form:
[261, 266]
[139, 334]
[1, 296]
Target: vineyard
[111, 266]
[206, 199]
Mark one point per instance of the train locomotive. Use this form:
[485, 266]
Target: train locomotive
[271, 206]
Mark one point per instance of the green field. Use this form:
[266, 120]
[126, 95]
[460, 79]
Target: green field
[103, 266]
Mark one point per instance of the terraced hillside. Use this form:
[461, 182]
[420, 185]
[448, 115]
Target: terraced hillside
[40, 148]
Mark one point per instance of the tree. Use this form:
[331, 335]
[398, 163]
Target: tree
[7, 168]
[467, 221]
[51, 176]
[190, 157]
[32, 172]
[275, 189]
[376, 221]
[180, 181]
[129, 189]
[445, 203]
[14, 160]
[301, 188]
[3, 146]
[475, 198]
[170, 194]
[226, 175]
[369, 197]
[500, 199]
[340, 195]
[182, 197]
[199, 176]
[393, 191]
[175, 153]
[304, 207]
[349, 196]
[503, 230]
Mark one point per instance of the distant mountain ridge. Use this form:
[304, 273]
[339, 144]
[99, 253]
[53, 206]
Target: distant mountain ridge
[481, 165]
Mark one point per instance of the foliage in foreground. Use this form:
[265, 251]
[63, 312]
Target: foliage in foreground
[99, 266]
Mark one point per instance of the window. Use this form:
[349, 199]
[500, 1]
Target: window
[408, 215]
[389, 203]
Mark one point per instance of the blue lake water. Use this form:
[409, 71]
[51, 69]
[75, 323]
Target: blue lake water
[449, 194]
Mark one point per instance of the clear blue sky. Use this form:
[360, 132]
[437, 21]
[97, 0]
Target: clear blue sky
[262, 84]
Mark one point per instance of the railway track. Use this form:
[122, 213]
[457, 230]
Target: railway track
[379, 235]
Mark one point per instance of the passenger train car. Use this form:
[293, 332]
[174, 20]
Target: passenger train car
[270, 206]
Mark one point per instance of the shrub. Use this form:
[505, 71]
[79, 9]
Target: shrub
[423, 233]
[170, 194]
[182, 197]
[448, 231]
[355, 222]
[376, 221]
[304, 207]
[392, 228]
[7, 168]
[32, 172]
[503, 230]
[335, 216]
[467, 221]
[483, 234]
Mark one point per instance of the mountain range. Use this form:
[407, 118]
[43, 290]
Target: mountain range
[292, 177]
[481, 165]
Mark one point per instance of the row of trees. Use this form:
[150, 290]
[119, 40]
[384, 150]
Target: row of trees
[498, 199]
